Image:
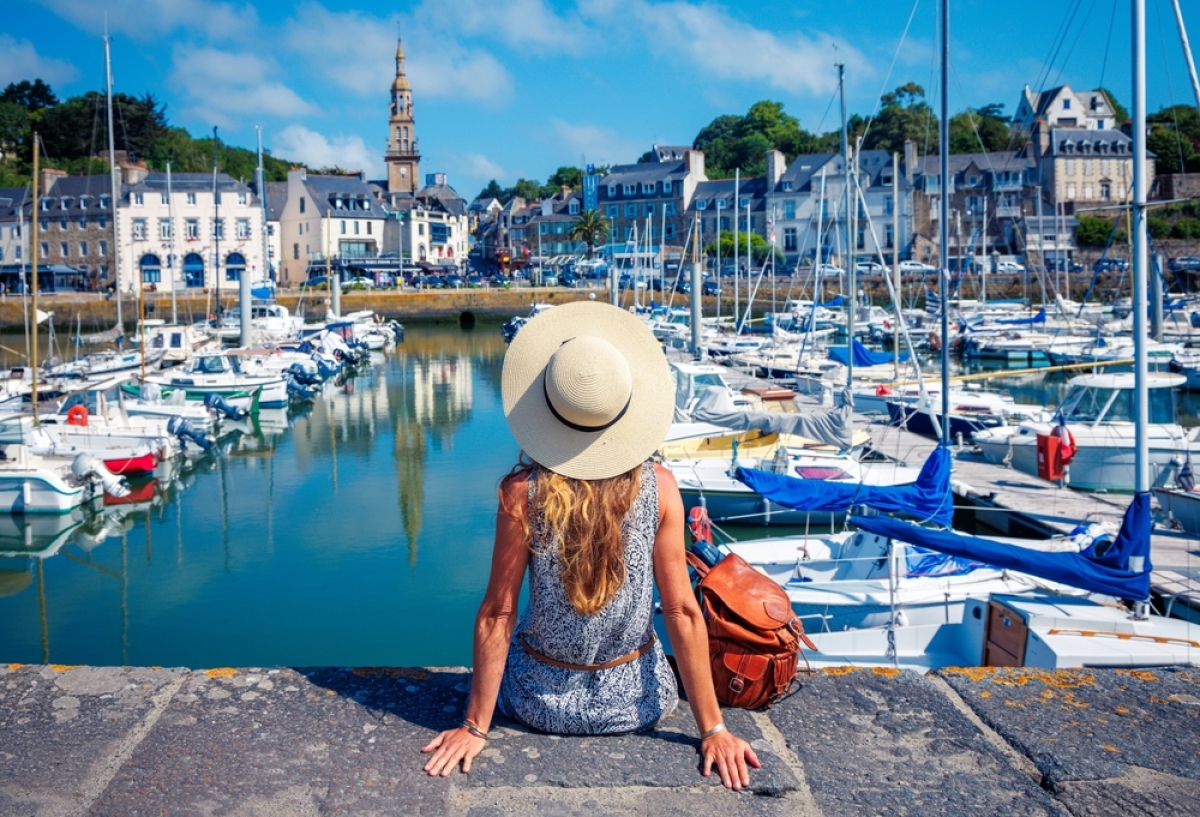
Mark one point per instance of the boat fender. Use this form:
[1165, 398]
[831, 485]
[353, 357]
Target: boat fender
[215, 402]
[183, 430]
[882, 391]
[86, 467]
[77, 416]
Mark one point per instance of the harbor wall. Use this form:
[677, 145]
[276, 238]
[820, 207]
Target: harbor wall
[980, 741]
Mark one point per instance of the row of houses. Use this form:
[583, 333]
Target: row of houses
[1016, 203]
[197, 231]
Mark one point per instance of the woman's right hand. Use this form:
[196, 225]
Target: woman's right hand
[730, 754]
[449, 748]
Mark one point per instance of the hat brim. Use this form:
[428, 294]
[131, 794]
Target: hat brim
[579, 454]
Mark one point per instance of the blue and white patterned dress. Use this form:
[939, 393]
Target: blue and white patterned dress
[624, 698]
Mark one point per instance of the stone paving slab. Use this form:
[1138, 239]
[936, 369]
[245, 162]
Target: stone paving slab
[890, 743]
[64, 730]
[1106, 741]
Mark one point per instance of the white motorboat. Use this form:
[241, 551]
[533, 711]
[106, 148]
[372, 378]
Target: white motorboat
[99, 364]
[268, 322]
[1098, 412]
[221, 374]
[33, 484]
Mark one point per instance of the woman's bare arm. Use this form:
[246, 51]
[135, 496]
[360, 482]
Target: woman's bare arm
[494, 624]
[689, 637]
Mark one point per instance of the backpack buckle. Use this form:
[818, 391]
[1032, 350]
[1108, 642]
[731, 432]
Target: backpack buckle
[737, 685]
[796, 626]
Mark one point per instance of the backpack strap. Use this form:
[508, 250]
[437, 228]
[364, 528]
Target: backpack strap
[696, 563]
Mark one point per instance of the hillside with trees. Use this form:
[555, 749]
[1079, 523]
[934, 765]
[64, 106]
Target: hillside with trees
[74, 131]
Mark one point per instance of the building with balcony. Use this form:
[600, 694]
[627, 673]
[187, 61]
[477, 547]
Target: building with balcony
[430, 227]
[326, 216]
[657, 193]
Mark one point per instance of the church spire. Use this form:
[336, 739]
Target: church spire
[403, 155]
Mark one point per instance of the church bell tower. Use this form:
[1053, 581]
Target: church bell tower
[403, 155]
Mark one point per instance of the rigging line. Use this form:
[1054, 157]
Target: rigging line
[871, 119]
[825, 115]
[1162, 33]
[1078, 34]
[933, 62]
[1059, 39]
[1107, 45]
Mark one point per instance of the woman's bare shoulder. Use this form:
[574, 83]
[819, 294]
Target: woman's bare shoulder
[665, 478]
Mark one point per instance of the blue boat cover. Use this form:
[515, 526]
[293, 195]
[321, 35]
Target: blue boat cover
[928, 499]
[838, 301]
[262, 294]
[1104, 567]
[1040, 317]
[863, 356]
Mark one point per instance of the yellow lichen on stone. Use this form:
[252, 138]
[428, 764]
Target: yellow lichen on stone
[985, 694]
[64, 667]
[15, 666]
[838, 670]
[886, 672]
[1122, 710]
[974, 673]
[1014, 704]
[221, 672]
[1108, 747]
[1140, 674]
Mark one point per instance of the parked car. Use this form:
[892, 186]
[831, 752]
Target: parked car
[475, 281]
[830, 269]
[1009, 266]
[1056, 265]
[915, 266]
[498, 280]
[452, 280]
[358, 282]
[711, 288]
[869, 268]
[316, 282]
[1110, 265]
[549, 278]
[568, 279]
[1184, 263]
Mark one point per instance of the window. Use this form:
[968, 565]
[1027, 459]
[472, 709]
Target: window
[889, 236]
[670, 231]
[669, 208]
[104, 248]
[191, 229]
[64, 203]
[701, 204]
[337, 204]
[743, 202]
[1069, 169]
[44, 225]
[218, 228]
[630, 189]
[164, 228]
[271, 229]
[1087, 191]
[64, 250]
[1087, 167]
[543, 229]
[83, 249]
[139, 229]
[365, 204]
[612, 210]
[647, 188]
[137, 200]
[243, 228]
[667, 186]
[725, 222]
[1105, 190]
[191, 198]
[888, 205]
[573, 207]
[368, 228]
[296, 252]
[862, 237]
[102, 223]
[631, 211]
[787, 187]
[217, 197]
[1071, 191]
[972, 181]
[420, 229]
[612, 191]
[720, 204]
[789, 209]
[649, 208]
[163, 198]
[104, 202]
[45, 248]
[82, 222]
[789, 239]
[1066, 104]
[343, 228]
[1105, 167]
[302, 205]
[355, 228]
[62, 224]
[17, 253]
[559, 228]
[243, 197]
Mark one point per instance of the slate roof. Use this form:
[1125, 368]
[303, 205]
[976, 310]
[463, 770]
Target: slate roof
[276, 199]
[669, 153]
[1091, 143]
[325, 190]
[645, 172]
[805, 170]
[186, 182]
[12, 200]
[710, 191]
[74, 188]
[1002, 161]
[446, 196]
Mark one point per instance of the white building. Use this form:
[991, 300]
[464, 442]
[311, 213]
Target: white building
[328, 218]
[1062, 107]
[14, 225]
[189, 241]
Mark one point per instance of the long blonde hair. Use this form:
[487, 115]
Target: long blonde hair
[585, 518]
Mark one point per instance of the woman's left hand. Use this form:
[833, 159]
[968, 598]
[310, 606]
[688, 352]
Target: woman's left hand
[449, 748]
[730, 754]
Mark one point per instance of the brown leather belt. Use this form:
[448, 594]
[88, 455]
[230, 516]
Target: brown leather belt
[616, 662]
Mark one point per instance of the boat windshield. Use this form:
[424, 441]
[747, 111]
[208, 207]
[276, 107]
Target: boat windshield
[212, 364]
[10, 432]
[1085, 405]
[1089, 405]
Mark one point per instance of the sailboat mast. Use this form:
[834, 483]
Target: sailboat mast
[171, 247]
[115, 190]
[737, 311]
[262, 192]
[1187, 51]
[216, 232]
[944, 218]
[851, 284]
[33, 356]
[1140, 254]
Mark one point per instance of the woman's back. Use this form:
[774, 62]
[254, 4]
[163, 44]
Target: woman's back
[621, 698]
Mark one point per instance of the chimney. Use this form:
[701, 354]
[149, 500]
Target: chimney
[910, 160]
[565, 192]
[547, 207]
[1041, 138]
[693, 163]
[776, 164]
[132, 174]
[49, 176]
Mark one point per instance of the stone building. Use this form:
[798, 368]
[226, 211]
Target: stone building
[75, 224]
[1079, 166]
[1062, 107]
[659, 191]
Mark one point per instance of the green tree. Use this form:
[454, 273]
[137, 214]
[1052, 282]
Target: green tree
[1094, 231]
[981, 131]
[571, 177]
[1158, 227]
[741, 142]
[14, 127]
[1119, 110]
[904, 115]
[1186, 228]
[591, 228]
[493, 190]
[32, 96]
[760, 248]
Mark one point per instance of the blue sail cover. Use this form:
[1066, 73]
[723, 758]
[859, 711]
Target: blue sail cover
[838, 301]
[862, 355]
[1040, 317]
[1101, 568]
[927, 499]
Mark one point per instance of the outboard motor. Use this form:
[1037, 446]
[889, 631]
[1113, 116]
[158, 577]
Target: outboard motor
[215, 402]
[86, 467]
[302, 377]
[184, 431]
[295, 389]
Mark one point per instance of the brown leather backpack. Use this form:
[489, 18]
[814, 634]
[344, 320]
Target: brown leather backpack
[753, 636]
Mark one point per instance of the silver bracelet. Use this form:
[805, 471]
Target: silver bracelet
[720, 727]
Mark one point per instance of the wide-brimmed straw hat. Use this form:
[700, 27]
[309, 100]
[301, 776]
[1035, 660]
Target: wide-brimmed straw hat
[587, 392]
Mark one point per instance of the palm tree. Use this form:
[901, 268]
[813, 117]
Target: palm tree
[590, 228]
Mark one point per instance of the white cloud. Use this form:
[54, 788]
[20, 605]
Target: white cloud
[222, 86]
[478, 166]
[723, 47]
[349, 152]
[355, 53]
[597, 143]
[148, 19]
[515, 23]
[20, 60]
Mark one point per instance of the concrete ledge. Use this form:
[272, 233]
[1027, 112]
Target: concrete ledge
[141, 741]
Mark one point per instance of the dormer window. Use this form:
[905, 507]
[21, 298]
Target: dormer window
[104, 202]
[573, 207]
[787, 187]
[612, 191]
[64, 203]
[666, 185]
[647, 188]
[45, 204]
[1087, 147]
[630, 189]
[83, 202]
[744, 202]
[721, 205]
[366, 204]
[701, 204]
[1068, 147]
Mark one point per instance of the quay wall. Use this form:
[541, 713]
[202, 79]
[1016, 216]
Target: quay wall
[979, 741]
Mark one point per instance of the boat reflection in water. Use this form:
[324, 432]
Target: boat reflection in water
[295, 540]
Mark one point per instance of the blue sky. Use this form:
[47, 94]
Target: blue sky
[510, 88]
